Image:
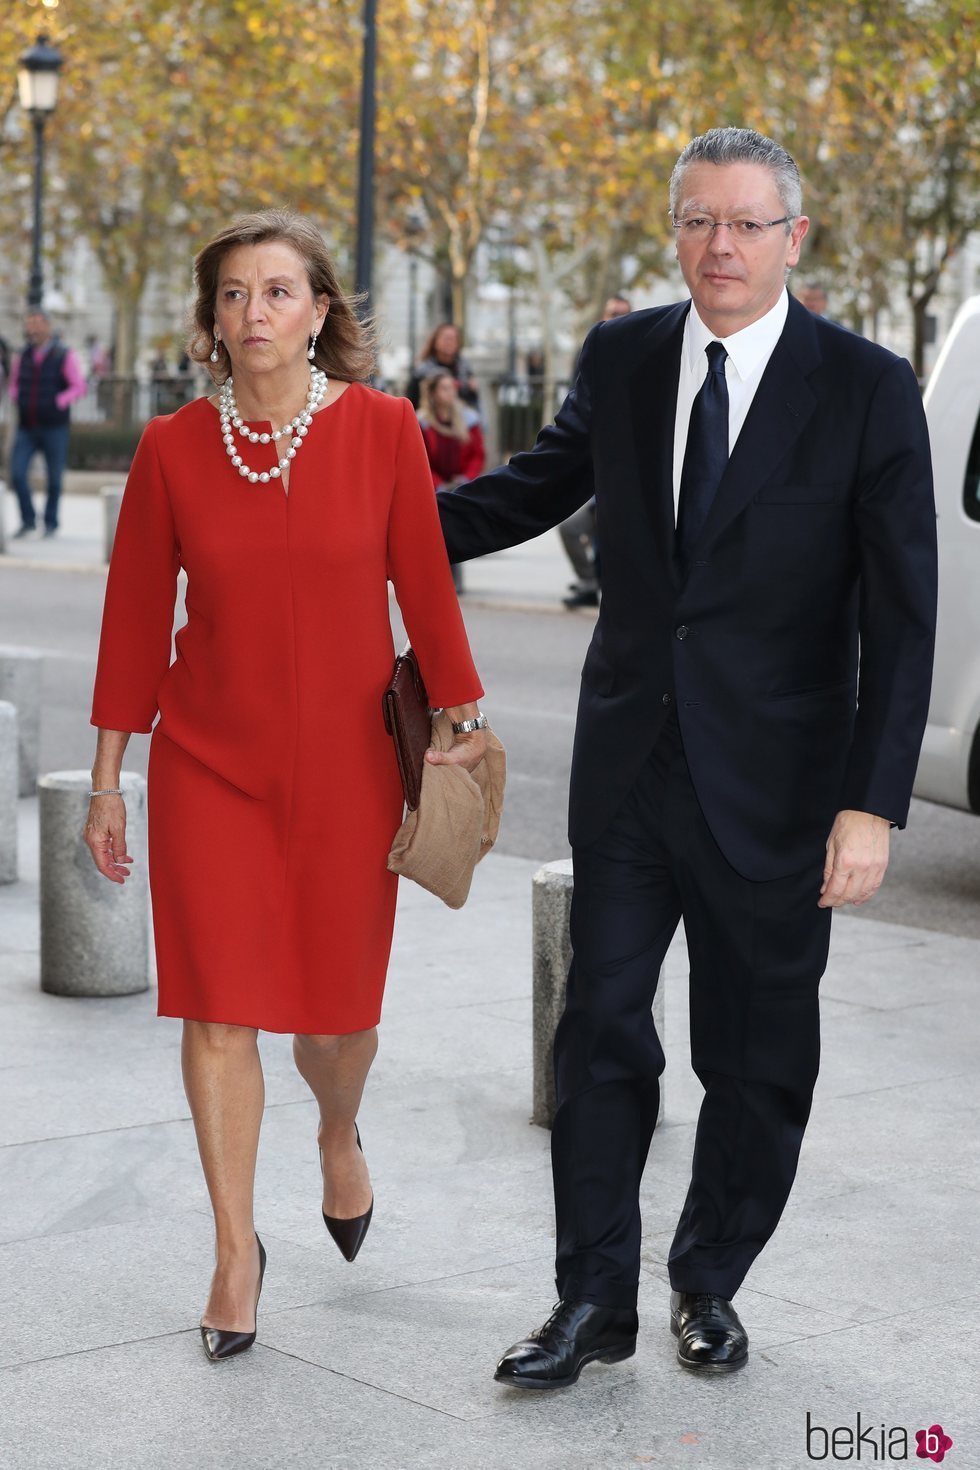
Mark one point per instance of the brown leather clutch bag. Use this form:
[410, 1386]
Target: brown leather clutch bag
[408, 721]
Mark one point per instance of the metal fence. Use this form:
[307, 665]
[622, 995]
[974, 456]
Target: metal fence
[113, 410]
[127, 403]
[513, 411]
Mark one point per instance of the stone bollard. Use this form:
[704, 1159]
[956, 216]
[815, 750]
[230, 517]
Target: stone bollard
[111, 501]
[551, 902]
[8, 793]
[20, 683]
[94, 934]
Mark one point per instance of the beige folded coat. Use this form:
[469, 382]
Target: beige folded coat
[456, 824]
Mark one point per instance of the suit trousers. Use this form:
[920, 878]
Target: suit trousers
[757, 952]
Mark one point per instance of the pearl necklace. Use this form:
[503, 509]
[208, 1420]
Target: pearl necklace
[297, 428]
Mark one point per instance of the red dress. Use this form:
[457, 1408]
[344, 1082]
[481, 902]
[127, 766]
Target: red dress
[273, 793]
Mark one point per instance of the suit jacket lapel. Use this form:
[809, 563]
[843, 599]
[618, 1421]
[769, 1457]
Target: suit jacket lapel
[782, 405]
[653, 405]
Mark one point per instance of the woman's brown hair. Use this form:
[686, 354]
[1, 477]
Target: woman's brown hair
[457, 427]
[429, 347]
[346, 347]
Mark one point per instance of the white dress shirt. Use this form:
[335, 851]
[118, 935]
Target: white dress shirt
[748, 353]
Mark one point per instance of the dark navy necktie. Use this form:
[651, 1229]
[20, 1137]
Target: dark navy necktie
[706, 454]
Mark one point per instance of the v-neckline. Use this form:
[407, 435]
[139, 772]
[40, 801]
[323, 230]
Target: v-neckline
[264, 426]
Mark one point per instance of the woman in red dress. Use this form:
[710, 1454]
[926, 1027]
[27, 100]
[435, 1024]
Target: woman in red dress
[452, 433]
[453, 439]
[289, 500]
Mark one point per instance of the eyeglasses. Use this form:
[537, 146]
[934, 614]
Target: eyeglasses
[745, 231]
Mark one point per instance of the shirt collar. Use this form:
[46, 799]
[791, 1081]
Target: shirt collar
[746, 349]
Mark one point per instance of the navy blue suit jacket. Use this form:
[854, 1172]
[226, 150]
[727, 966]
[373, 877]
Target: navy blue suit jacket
[821, 540]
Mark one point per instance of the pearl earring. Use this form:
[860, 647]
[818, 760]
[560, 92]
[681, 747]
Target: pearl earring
[312, 352]
[214, 349]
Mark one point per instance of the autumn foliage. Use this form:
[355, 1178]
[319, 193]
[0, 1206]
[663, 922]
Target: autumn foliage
[549, 124]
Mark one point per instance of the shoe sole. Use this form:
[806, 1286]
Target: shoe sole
[604, 1355]
[694, 1365]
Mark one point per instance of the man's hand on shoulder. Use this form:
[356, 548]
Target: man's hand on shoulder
[857, 856]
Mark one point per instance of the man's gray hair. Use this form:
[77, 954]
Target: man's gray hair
[742, 145]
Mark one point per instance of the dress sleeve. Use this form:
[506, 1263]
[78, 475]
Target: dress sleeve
[419, 568]
[138, 613]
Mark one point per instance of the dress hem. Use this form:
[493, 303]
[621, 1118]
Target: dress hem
[272, 1030]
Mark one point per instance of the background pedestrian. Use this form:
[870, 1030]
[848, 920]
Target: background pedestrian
[443, 352]
[453, 438]
[45, 380]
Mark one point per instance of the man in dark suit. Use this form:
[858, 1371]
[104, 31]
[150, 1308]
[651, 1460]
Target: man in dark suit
[764, 488]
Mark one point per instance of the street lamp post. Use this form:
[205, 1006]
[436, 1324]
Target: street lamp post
[37, 79]
[506, 242]
[365, 173]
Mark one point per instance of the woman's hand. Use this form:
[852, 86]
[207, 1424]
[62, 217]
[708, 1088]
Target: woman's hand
[466, 750]
[105, 837]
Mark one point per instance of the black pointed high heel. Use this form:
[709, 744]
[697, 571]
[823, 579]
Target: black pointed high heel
[348, 1235]
[220, 1344]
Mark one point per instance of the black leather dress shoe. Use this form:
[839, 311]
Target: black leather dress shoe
[576, 1333]
[220, 1343]
[710, 1337]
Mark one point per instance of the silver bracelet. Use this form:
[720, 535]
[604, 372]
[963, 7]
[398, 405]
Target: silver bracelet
[108, 791]
[466, 727]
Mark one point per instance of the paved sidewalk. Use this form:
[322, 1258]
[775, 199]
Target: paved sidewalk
[867, 1301]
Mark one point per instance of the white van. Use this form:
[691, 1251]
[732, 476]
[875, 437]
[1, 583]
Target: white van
[949, 766]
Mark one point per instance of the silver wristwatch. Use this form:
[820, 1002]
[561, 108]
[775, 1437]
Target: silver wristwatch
[466, 727]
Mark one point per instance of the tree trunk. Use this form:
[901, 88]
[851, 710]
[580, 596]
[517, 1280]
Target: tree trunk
[919, 311]
[122, 404]
[929, 283]
[127, 334]
[459, 302]
[545, 278]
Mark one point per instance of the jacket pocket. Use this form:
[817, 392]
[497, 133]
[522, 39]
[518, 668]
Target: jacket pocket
[811, 691]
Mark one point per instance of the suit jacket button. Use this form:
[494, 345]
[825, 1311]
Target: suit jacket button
[666, 699]
[681, 632]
